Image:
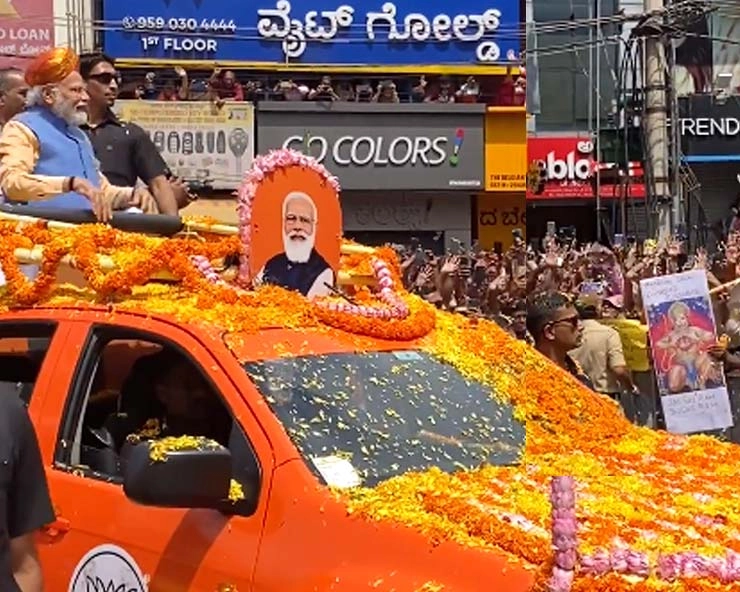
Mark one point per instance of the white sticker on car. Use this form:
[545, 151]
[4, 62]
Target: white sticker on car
[107, 568]
[337, 471]
[407, 356]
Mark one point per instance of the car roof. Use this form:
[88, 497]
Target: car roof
[122, 282]
[263, 335]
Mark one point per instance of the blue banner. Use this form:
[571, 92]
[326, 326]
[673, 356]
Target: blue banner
[404, 32]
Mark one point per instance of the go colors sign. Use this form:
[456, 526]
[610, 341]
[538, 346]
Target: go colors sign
[389, 147]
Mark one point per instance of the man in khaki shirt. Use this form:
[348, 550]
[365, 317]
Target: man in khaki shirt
[45, 157]
[601, 356]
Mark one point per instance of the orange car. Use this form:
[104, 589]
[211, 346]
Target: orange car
[93, 378]
[396, 460]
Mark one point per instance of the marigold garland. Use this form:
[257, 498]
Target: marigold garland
[668, 500]
[136, 256]
[638, 489]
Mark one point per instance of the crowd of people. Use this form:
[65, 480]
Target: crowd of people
[564, 297]
[225, 85]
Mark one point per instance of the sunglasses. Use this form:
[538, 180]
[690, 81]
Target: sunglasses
[572, 321]
[105, 77]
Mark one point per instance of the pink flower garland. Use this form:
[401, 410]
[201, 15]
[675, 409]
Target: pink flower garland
[205, 267]
[263, 166]
[620, 558]
[563, 499]
[395, 307]
[669, 566]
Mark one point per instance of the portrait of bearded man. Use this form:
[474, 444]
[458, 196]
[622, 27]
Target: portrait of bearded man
[300, 266]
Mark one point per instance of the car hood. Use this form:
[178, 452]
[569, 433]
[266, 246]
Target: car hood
[335, 548]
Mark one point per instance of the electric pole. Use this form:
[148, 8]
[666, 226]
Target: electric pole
[656, 121]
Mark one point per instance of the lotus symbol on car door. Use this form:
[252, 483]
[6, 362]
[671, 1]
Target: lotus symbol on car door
[97, 585]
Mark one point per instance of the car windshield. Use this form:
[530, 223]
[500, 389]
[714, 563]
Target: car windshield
[363, 418]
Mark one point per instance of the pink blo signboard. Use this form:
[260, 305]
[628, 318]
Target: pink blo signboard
[26, 29]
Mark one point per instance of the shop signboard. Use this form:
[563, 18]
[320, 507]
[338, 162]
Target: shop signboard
[375, 146]
[564, 167]
[26, 29]
[710, 128]
[499, 217]
[398, 32]
[506, 149]
[199, 141]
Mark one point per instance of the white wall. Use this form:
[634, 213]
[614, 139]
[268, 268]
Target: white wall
[73, 24]
[407, 211]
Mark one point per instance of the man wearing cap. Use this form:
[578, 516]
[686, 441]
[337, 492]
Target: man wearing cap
[45, 158]
[613, 307]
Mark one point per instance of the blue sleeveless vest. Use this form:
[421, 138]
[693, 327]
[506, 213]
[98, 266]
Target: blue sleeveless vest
[64, 151]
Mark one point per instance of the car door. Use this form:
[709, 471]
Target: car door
[109, 542]
[31, 347]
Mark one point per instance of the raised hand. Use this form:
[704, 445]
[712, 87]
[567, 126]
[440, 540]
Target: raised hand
[451, 265]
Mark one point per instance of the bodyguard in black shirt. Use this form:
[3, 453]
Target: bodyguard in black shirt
[24, 499]
[125, 151]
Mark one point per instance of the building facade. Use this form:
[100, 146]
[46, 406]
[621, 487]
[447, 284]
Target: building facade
[408, 149]
[501, 210]
[405, 169]
[563, 189]
[706, 76]
[710, 132]
[574, 94]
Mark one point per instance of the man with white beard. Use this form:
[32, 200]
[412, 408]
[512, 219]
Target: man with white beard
[46, 160]
[300, 267]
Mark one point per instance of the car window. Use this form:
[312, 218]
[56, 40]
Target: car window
[23, 348]
[131, 386]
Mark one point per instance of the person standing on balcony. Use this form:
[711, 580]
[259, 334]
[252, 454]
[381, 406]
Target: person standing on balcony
[223, 87]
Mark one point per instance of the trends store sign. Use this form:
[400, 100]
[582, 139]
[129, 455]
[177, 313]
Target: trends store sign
[397, 32]
[382, 147]
[710, 129]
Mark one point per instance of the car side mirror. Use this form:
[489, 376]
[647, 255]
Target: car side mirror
[198, 478]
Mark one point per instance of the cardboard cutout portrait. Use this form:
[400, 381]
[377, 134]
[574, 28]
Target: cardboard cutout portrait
[295, 224]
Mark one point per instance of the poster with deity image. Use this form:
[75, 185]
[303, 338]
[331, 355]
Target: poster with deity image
[681, 328]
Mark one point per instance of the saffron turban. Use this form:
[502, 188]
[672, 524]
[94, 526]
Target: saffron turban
[52, 66]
